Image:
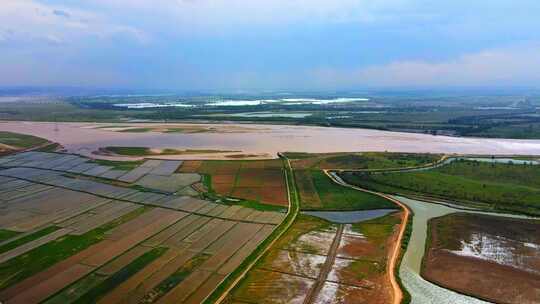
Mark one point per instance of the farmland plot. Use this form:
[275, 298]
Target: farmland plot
[103, 242]
[320, 262]
[261, 181]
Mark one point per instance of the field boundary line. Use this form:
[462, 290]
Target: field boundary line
[292, 212]
[391, 266]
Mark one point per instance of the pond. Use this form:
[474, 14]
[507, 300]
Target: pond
[349, 217]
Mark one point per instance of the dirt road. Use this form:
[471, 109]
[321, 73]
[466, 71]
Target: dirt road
[327, 267]
[394, 257]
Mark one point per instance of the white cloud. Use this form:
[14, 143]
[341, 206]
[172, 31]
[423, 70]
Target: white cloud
[514, 66]
[227, 13]
[32, 21]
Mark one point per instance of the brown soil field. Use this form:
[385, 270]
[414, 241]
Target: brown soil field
[488, 257]
[170, 231]
[491, 281]
[354, 247]
[183, 290]
[190, 166]
[224, 179]
[205, 289]
[243, 252]
[127, 290]
[268, 287]
[367, 274]
[60, 267]
[230, 243]
[123, 260]
[333, 293]
[262, 181]
[165, 271]
[52, 285]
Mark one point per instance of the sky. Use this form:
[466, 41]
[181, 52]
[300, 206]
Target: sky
[270, 44]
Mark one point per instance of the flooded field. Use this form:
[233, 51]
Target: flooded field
[321, 262]
[479, 254]
[421, 290]
[262, 140]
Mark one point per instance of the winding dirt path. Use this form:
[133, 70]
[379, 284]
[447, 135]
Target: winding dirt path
[394, 257]
[327, 267]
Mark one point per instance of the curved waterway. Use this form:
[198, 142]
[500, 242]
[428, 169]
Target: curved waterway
[422, 291]
[84, 138]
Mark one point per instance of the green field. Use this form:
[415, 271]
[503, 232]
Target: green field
[119, 165]
[502, 187]
[20, 141]
[25, 239]
[364, 160]
[335, 197]
[7, 234]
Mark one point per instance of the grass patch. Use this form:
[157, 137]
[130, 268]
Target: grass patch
[136, 130]
[336, 197]
[33, 236]
[119, 165]
[123, 274]
[130, 151]
[7, 234]
[42, 257]
[378, 228]
[500, 187]
[49, 148]
[258, 206]
[21, 141]
[364, 160]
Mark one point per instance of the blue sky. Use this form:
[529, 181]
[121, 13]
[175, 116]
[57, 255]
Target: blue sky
[271, 44]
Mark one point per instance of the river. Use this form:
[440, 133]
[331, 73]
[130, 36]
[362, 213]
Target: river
[266, 140]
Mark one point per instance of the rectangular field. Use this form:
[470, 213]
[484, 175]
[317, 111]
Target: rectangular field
[261, 181]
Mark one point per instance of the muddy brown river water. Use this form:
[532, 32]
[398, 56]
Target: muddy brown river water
[265, 140]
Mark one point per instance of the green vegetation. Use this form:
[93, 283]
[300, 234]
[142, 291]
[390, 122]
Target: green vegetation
[23, 240]
[123, 274]
[364, 160]
[20, 141]
[176, 278]
[143, 151]
[7, 234]
[257, 205]
[77, 289]
[119, 165]
[49, 148]
[378, 228]
[499, 187]
[130, 151]
[336, 197]
[136, 130]
[40, 258]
